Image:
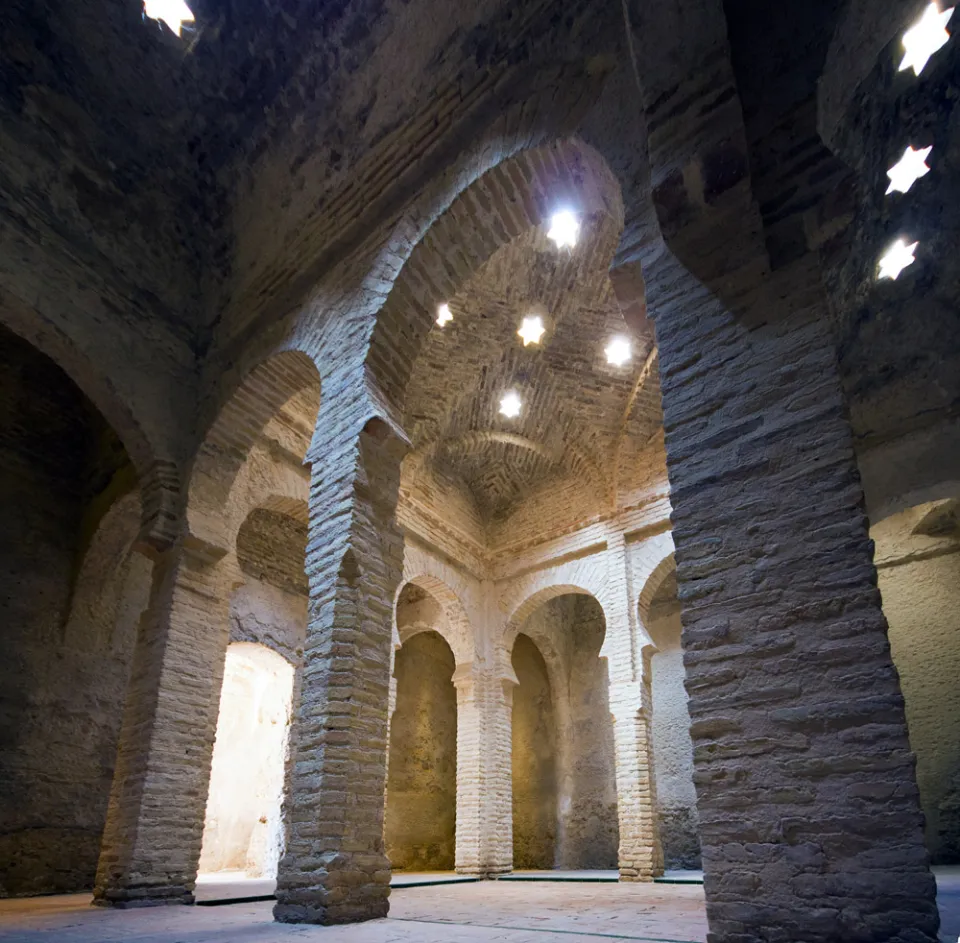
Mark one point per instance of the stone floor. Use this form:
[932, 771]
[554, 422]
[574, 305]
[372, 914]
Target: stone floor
[485, 912]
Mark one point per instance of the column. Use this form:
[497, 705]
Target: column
[334, 869]
[807, 796]
[498, 784]
[470, 779]
[154, 828]
[640, 855]
[484, 790]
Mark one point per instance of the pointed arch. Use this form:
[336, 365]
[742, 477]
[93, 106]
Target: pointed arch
[261, 395]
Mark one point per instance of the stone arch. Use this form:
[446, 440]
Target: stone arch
[529, 607]
[197, 635]
[651, 562]
[158, 474]
[425, 775]
[568, 636]
[496, 207]
[525, 594]
[658, 576]
[456, 629]
[260, 396]
[109, 581]
[677, 824]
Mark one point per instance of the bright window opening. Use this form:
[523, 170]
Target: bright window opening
[896, 259]
[908, 170]
[444, 314]
[510, 405]
[618, 351]
[925, 37]
[564, 229]
[531, 330]
[173, 12]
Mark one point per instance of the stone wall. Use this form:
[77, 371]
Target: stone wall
[534, 760]
[420, 820]
[62, 678]
[920, 584]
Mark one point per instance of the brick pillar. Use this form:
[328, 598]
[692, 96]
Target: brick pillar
[810, 822]
[484, 799]
[640, 857]
[335, 869]
[498, 778]
[470, 758]
[151, 841]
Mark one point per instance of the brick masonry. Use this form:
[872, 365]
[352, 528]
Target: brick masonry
[316, 207]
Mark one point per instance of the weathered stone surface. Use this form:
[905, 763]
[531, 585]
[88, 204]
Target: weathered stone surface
[217, 236]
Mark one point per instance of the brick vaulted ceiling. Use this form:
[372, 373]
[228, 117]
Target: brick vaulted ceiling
[573, 400]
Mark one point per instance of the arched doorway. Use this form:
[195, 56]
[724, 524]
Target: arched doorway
[72, 596]
[243, 830]
[676, 808]
[563, 761]
[251, 458]
[421, 808]
[244, 835]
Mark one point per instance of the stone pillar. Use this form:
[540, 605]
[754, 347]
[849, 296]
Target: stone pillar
[335, 869]
[809, 813]
[154, 828]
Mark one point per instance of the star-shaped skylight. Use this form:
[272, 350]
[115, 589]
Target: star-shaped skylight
[444, 314]
[908, 170]
[531, 330]
[896, 259]
[564, 229]
[173, 12]
[510, 405]
[618, 351]
[925, 37]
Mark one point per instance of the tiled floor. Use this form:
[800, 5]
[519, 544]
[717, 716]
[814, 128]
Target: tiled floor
[484, 912]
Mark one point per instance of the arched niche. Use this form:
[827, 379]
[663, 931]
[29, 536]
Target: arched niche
[421, 804]
[73, 593]
[564, 754]
[420, 821]
[676, 805]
